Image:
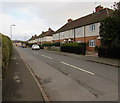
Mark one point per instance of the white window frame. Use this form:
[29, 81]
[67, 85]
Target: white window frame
[92, 43]
[92, 27]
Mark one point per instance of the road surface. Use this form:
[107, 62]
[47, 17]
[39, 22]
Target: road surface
[67, 78]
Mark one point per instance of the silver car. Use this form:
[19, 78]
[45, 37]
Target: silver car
[35, 47]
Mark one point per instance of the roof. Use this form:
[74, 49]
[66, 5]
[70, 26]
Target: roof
[50, 32]
[33, 37]
[86, 20]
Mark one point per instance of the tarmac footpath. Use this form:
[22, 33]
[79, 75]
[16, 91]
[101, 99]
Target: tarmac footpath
[18, 83]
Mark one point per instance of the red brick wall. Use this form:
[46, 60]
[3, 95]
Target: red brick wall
[82, 39]
[98, 42]
[86, 40]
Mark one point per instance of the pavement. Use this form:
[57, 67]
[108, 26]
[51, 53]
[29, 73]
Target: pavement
[18, 83]
[93, 57]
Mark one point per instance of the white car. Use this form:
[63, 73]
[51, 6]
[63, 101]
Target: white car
[35, 47]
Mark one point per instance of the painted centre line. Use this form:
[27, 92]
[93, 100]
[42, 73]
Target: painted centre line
[47, 56]
[35, 53]
[78, 68]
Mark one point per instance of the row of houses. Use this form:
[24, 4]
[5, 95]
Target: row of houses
[43, 37]
[83, 30]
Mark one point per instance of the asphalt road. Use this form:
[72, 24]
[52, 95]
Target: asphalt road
[72, 79]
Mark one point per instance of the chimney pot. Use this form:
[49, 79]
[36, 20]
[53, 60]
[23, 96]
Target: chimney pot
[70, 20]
[43, 32]
[49, 29]
[98, 8]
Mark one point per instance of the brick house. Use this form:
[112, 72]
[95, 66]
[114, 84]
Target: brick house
[84, 29]
[33, 39]
[45, 37]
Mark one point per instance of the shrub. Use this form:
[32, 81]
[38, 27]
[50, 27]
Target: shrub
[29, 44]
[41, 46]
[77, 48]
[113, 52]
[55, 44]
[46, 44]
[96, 48]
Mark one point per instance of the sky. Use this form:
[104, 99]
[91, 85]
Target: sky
[33, 17]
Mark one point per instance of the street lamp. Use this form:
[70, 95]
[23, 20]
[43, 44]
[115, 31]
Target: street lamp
[11, 30]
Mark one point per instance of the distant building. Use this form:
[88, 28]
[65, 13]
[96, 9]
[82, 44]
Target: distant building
[17, 43]
[85, 29]
[44, 37]
[32, 39]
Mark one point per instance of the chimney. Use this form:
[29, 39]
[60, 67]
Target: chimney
[43, 32]
[98, 8]
[49, 29]
[70, 20]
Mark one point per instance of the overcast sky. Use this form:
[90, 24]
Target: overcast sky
[34, 17]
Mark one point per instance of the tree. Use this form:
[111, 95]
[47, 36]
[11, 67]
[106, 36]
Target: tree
[116, 13]
[110, 29]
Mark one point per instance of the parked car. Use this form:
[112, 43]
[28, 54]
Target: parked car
[24, 46]
[35, 47]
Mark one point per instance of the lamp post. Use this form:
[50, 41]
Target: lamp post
[11, 30]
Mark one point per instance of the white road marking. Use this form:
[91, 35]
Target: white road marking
[35, 53]
[18, 81]
[78, 68]
[15, 77]
[47, 56]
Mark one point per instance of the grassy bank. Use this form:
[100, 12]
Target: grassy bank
[6, 50]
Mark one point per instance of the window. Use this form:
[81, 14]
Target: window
[62, 34]
[92, 43]
[78, 31]
[92, 27]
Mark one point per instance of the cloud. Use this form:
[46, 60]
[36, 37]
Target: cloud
[34, 17]
[27, 23]
[59, 1]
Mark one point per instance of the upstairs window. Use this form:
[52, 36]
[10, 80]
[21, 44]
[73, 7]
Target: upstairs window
[62, 34]
[92, 27]
[78, 31]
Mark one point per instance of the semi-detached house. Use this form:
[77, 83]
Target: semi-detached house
[85, 29]
[44, 37]
[32, 39]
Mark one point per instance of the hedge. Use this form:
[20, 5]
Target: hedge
[56, 44]
[77, 48]
[51, 44]
[112, 52]
[7, 46]
[29, 44]
[41, 46]
[46, 44]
